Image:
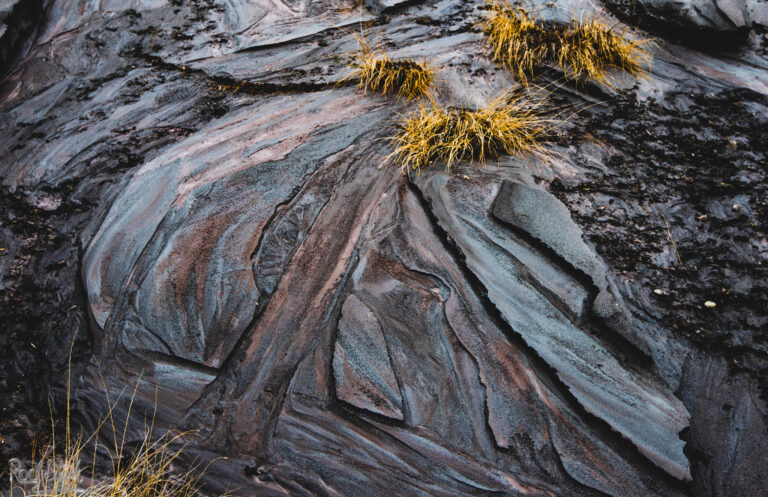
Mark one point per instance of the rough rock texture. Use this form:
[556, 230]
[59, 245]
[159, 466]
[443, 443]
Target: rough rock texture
[193, 193]
[6, 10]
[19, 19]
[718, 15]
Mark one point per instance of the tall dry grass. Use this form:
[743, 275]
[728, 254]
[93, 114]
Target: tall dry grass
[507, 125]
[150, 468]
[375, 71]
[588, 48]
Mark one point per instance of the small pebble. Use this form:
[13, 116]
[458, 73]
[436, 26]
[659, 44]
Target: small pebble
[709, 304]
[736, 207]
[658, 291]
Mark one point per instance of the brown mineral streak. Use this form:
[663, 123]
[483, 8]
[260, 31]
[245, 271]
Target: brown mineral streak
[316, 251]
[290, 135]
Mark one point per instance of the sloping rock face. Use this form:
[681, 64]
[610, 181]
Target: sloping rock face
[718, 15]
[195, 191]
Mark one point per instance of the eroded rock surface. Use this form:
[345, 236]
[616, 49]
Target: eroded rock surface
[210, 211]
[717, 15]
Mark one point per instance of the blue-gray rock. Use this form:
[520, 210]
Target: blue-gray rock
[198, 194]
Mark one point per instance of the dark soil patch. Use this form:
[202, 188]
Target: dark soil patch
[688, 181]
[41, 313]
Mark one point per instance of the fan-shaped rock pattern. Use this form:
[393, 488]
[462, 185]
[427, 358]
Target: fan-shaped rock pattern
[329, 325]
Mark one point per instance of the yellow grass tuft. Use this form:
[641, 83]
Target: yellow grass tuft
[592, 47]
[375, 71]
[588, 48]
[517, 41]
[507, 125]
[150, 470]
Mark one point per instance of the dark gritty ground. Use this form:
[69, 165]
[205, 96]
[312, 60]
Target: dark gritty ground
[680, 212]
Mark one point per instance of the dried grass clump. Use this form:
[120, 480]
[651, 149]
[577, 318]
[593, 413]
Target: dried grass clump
[517, 41]
[588, 48]
[375, 71]
[149, 470]
[592, 47]
[506, 126]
